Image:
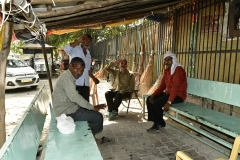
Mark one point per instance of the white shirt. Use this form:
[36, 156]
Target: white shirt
[77, 51]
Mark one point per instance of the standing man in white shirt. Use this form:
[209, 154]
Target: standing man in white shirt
[79, 48]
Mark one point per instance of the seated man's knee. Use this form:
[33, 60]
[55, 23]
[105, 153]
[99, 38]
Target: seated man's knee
[118, 95]
[107, 93]
[96, 124]
[99, 117]
[148, 98]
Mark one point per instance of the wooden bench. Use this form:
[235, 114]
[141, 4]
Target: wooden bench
[180, 155]
[223, 123]
[24, 141]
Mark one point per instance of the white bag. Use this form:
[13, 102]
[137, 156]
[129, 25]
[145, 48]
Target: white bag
[65, 124]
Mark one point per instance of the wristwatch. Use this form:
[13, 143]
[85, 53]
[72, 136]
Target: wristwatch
[169, 102]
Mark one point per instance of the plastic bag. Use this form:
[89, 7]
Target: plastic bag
[65, 124]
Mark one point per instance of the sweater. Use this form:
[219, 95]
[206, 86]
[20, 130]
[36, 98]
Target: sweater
[174, 85]
[66, 99]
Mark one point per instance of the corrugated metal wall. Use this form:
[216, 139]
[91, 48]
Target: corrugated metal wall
[197, 33]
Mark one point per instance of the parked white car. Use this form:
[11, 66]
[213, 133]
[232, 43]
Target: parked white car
[19, 74]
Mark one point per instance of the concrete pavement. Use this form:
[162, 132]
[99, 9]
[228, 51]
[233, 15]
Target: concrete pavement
[133, 142]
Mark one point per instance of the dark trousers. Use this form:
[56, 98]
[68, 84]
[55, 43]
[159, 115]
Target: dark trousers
[114, 99]
[84, 91]
[94, 119]
[155, 112]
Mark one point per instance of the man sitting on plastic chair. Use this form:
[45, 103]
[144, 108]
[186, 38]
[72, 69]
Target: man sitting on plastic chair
[125, 84]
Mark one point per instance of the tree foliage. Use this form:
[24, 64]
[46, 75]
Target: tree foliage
[98, 35]
[14, 47]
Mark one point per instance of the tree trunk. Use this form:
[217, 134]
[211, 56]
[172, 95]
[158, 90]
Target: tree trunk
[4, 52]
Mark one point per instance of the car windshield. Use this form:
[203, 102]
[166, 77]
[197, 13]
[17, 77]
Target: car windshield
[15, 63]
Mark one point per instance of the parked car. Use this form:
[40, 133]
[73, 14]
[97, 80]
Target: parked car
[40, 66]
[19, 74]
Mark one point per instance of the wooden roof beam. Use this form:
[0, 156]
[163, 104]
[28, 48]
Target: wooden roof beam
[44, 2]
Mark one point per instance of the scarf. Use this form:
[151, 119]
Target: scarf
[174, 60]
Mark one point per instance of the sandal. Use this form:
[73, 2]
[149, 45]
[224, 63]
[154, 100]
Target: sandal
[106, 140]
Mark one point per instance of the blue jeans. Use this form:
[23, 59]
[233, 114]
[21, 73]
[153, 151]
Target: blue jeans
[94, 119]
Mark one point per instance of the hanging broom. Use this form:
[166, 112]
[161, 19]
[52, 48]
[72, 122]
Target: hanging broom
[159, 80]
[146, 78]
[157, 83]
[140, 69]
[102, 73]
[134, 66]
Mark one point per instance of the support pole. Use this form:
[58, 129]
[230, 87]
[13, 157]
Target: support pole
[42, 43]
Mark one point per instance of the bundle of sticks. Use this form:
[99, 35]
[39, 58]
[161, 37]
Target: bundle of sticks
[102, 73]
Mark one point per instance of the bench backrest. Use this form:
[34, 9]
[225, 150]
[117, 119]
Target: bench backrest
[219, 91]
[23, 142]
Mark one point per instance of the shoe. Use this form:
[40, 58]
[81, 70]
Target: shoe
[153, 128]
[156, 127]
[115, 113]
[112, 115]
[109, 114]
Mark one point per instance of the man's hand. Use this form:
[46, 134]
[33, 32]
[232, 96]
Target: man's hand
[99, 106]
[117, 62]
[96, 81]
[151, 99]
[82, 38]
[166, 107]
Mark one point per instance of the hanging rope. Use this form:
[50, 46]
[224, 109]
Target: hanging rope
[24, 9]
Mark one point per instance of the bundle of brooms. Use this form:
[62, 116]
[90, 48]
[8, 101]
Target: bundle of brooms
[156, 84]
[102, 73]
[146, 78]
[159, 80]
[140, 69]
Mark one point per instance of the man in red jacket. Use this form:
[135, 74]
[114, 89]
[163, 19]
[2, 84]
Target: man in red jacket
[171, 90]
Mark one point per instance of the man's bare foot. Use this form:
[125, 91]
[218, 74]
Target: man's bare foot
[98, 141]
[104, 140]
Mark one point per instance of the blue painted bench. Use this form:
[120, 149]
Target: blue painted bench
[77, 145]
[217, 91]
[23, 142]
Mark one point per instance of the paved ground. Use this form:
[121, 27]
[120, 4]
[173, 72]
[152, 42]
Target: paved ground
[132, 142]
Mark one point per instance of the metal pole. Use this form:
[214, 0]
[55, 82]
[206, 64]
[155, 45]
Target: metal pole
[42, 43]
[206, 67]
[220, 45]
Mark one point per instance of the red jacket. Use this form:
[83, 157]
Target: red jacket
[175, 84]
